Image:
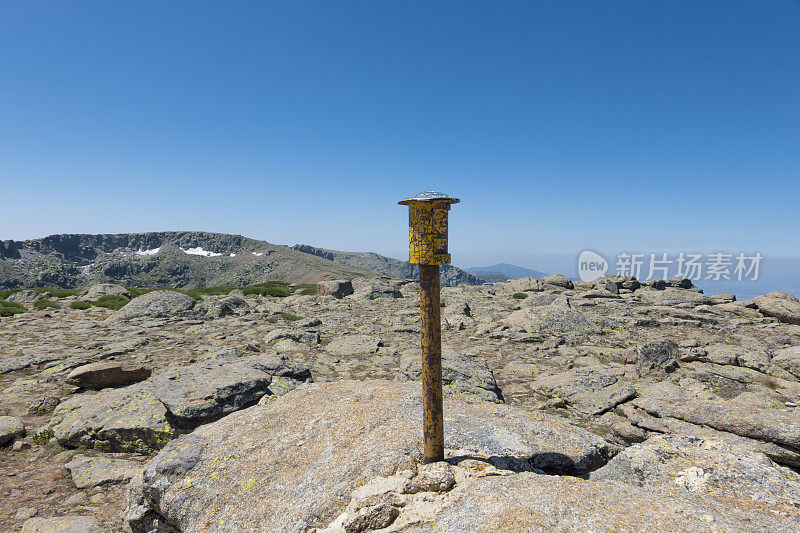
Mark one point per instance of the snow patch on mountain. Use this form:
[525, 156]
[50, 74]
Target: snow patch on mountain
[200, 251]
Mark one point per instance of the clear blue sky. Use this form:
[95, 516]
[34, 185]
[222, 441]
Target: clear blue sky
[656, 126]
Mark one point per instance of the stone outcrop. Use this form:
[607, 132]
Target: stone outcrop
[327, 440]
[156, 304]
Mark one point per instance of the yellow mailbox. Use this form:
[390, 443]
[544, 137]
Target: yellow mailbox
[427, 227]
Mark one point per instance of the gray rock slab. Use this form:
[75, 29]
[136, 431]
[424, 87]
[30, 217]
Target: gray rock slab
[592, 389]
[672, 296]
[780, 305]
[325, 440]
[558, 317]
[741, 415]
[197, 393]
[709, 468]
[528, 502]
[460, 374]
[94, 471]
[156, 304]
[130, 419]
[107, 374]
[11, 427]
[62, 524]
[354, 345]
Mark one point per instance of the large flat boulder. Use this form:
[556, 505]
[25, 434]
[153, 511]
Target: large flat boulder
[198, 393]
[592, 389]
[95, 471]
[144, 416]
[336, 288]
[62, 524]
[529, 502]
[788, 359]
[558, 317]
[25, 296]
[105, 374]
[156, 304]
[354, 345]
[745, 415]
[95, 292]
[673, 296]
[709, 468]
[292, 463]
[785, 307]
[460, 374]
[130, 419]
[31, 356]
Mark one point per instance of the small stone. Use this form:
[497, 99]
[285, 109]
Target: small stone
[371, 518]
[23, 513]
[20, 445]
[43, 406]
[432, 477]
[11, 427]
[76, 499]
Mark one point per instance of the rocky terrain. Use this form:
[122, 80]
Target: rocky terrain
[606, 406]
[386, 266]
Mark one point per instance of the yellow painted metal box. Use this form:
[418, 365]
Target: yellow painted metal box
[427, 228]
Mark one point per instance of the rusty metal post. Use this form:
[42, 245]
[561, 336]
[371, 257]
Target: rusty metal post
[427, 247]
[430, 315]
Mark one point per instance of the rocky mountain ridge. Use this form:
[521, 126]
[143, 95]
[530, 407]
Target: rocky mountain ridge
[181, 259]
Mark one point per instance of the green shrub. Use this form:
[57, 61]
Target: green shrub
[272, 319]
[44, 304]
[11, 308]
[43, 436]
[519, 295]
[309, 289]
[57, 292]
[111, 301]
[291, 317]
[7, 292]
[80, 305]
[280, 289]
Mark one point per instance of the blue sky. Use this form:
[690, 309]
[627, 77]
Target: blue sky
[625, 125]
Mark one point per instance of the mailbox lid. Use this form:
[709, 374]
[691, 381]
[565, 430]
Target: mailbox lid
[429, 196]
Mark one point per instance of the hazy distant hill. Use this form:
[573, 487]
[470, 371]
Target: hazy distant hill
[180, 259]
[504, 271]
[450, 275]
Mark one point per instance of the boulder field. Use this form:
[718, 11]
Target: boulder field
[569, 406]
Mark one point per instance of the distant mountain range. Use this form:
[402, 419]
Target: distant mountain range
[504, 271]
[386, 266]
[185, 259]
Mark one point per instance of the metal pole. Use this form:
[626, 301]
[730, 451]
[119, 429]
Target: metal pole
[430, 314]
[427, 247]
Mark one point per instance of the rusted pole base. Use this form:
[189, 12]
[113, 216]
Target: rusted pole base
[430, 313]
